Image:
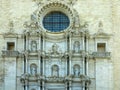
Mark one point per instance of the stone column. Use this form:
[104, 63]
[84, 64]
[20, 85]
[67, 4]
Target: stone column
[83, 43]
[83, 85]
[39, 42]
[70, 85]
[87, 58]
[43, 66]
[26, 59]
[26, 84]
[87, 52]
[83, 61]
[70, 42]
[43, 85]
[27, 42]
[43, 42]
[39, 57]
[39, 84]
[70, 58]
[70, 71]
[87, 41]
[66, 86]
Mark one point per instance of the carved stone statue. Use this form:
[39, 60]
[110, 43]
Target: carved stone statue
[54, 49]
[76, 70]
[76, 46]
[55, 70]
[33, 69]
[33, 46]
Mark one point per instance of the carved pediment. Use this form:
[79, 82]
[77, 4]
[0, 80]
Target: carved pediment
[10, 35]
[101, 33]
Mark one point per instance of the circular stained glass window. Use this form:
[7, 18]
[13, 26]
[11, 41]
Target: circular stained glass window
[56, 21]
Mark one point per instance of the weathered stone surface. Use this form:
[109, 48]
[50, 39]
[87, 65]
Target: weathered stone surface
[104, 72]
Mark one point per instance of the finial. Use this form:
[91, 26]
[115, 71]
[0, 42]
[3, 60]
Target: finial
[11, 26]
[100, 27]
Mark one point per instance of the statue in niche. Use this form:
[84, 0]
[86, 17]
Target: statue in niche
[33, 69]
[76, 70]
[54, 49]
[33, 46]
[76, 46]
[55, 70]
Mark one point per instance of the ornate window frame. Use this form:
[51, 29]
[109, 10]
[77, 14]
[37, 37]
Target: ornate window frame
[56, 6]
[100, 41]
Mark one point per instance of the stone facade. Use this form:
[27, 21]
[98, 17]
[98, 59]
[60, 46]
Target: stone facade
[84, 56]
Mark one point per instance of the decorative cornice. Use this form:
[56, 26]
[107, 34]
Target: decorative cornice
[69, 2]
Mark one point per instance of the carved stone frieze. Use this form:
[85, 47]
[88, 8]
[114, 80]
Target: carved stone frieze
[55, 79]
[69, 2]
[25, 78]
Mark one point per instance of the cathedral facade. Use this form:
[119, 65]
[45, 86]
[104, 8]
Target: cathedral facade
[56, 50]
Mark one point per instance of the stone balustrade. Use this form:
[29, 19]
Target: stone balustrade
[10, 53]
[101, 54]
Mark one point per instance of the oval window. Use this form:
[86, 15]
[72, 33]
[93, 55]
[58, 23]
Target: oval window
[56, 21]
